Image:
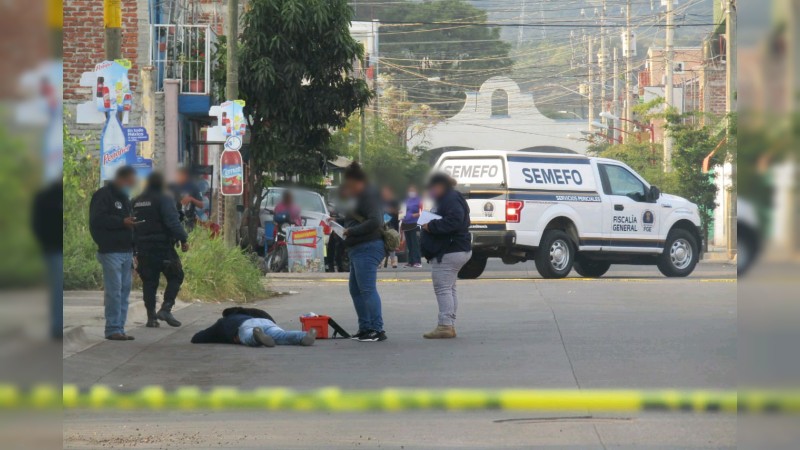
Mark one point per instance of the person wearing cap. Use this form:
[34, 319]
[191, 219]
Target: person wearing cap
[159, 229]
[445, 243]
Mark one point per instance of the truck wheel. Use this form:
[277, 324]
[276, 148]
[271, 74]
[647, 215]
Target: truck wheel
[555, 255]
[680, 254]
[473, 268]
[589, 268]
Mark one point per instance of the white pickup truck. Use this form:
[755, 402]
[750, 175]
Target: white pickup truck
[568, 211]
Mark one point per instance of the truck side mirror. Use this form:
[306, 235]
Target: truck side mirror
[653, 194]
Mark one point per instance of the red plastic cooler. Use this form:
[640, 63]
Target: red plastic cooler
[320, 323]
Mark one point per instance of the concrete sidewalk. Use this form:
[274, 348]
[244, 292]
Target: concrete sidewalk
[84, 322]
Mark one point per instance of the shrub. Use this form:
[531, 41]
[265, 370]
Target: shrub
[81, 179]
[214, 271]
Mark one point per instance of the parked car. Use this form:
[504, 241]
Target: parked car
[313, 210]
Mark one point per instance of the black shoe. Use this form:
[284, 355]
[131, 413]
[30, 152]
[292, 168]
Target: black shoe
[167, 316]
[373, 336]
[152, 323]
[262, 338]
[360, 333]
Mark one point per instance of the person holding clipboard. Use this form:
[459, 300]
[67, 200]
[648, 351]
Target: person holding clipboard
[446, 245]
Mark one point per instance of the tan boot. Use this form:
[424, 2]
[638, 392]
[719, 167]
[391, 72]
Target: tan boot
[441, 332]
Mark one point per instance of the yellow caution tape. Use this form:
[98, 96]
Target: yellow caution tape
[335, 399]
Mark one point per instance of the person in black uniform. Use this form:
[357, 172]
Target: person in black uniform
[157, 233]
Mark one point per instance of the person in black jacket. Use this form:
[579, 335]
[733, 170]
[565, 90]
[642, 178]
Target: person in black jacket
[159, 230]
[446, 245]
[252, 327]
[111, 225]
[364, 244]
[48, 221]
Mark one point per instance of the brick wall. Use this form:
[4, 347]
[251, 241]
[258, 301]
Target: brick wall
[84, 38]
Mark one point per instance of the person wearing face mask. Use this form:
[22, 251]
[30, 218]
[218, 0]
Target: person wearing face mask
[410, 229]
[111, 225]
[446, 245]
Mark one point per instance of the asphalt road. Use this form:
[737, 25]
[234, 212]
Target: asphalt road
[631, 329]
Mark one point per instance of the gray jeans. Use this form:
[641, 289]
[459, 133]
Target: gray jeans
[444, 276]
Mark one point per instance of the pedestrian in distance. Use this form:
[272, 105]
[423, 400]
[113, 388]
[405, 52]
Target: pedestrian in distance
[410, 229]
[158, 232]
[111, 225]
[391, 208]
[251, 327]
[289, 207]
[446, 246]
[188, 197]
[365, 246]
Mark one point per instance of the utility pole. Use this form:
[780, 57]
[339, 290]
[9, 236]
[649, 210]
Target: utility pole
[590, 87]
[628, 69]
[615, 91]
[668, 71]
[229, 226]
[363, 135]
[112, 21]
[601, 59]
[730, 108]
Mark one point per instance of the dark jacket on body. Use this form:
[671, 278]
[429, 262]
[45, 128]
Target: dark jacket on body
[367, 226]
[160, 223]
[450, 234]
[225, 330]
[48, 218]
[107, 210]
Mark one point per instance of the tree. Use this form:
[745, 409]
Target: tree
[296, 60]
[434, 63]
[385, 158]
[403, 117]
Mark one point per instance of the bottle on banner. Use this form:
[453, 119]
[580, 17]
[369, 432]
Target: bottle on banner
[113, 149]
[232, 173]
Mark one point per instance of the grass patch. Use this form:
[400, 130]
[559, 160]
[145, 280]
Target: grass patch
[213, 271]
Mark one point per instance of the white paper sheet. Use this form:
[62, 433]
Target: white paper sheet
[427, 216]
[338, 229]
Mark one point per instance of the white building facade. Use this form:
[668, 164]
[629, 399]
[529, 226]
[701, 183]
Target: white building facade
[501, 117]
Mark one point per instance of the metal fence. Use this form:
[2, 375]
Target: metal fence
[182, 52]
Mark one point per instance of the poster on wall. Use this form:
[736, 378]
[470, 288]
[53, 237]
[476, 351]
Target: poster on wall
[111, 105]
[306, 249]
[230, 121]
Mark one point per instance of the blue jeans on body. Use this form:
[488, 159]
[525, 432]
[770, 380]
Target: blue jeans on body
[55, 274]
[364, 261]
[412, 245]
[277, 333]
[117, 276]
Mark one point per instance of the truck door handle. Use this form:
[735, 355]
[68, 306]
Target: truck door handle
[618, 208]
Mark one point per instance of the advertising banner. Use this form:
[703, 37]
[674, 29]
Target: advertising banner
[230, 121]
[306, 248]
[231, 173]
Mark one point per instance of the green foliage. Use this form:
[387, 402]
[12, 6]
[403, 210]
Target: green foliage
[462, 57]
[214, 271]
[294, 58]
[385, 159]
[20, 265]
[81, 179]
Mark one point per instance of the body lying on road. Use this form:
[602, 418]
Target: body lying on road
[252, 327]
